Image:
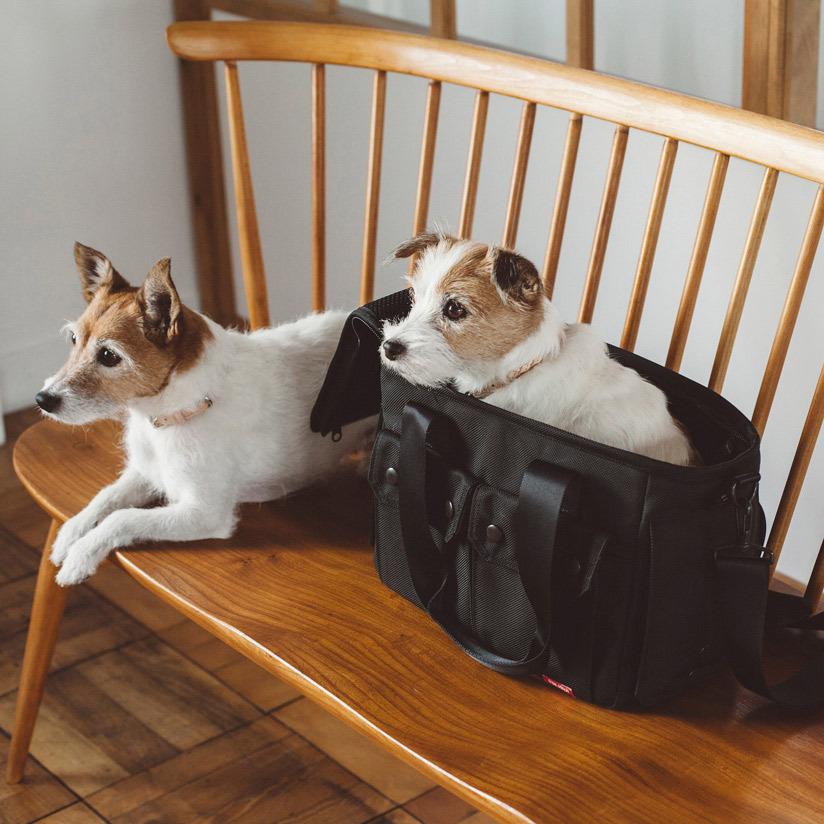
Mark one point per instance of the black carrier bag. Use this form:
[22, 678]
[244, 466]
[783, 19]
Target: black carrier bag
[615, 577]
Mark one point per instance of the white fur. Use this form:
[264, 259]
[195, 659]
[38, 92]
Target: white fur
[253, 444]
[429, 360]
[584, 391]
[577, 387]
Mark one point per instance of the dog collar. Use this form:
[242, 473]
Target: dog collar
[184, 415]
[487, 390]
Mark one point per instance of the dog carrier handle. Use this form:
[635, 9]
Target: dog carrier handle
[743, 578]
[545, 490]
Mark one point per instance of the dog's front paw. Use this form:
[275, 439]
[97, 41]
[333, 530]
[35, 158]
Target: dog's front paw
[81, 561]
[75, 570]
[71, 531]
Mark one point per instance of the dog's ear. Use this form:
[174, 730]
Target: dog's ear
[419, 243]
[159, 304]
[515, 276]
[96, 272]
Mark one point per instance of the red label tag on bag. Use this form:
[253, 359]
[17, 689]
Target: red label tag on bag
[558, 685]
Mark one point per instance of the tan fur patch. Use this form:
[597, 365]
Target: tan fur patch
[117, 317]
[493, 326]
[422, 241]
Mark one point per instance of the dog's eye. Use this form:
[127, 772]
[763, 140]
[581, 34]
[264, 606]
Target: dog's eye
[106, 357]
[454, 310]
[73, 338]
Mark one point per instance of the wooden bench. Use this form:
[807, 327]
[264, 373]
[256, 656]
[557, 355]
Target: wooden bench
[295, 589]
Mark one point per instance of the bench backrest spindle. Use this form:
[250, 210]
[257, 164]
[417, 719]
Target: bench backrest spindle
[318, 187]
[516, 189]
[789, 315]
[561, 208]
[775, 146]
[604, 224]
[373, 187]
[792, 489]
[251, 256]
[742, 280]
[430, 132]
[473, 164]
[695, 271]
[650, 241]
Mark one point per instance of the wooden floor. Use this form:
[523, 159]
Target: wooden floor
[148, 718]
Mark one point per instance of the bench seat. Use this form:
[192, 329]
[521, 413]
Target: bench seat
[296, 591]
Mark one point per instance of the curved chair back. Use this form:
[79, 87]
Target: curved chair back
[776, 146]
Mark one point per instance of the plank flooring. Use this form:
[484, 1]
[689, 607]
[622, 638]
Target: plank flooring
[148, 718]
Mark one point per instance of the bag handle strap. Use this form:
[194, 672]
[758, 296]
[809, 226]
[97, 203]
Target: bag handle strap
[545, 490]
[743, 578]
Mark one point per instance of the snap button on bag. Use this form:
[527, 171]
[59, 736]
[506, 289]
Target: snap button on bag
[494, 534]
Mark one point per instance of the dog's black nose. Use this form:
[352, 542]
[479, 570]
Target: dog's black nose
[46, 401]
[393, 349]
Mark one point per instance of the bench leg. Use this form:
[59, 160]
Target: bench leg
[46, 612]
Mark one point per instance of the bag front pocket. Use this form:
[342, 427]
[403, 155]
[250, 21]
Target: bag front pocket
[680, 637]
[499, 610]
[448, 492]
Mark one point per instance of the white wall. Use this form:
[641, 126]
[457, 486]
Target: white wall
[95, 152]
[91, 149]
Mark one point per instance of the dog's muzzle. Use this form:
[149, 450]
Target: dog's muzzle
[47, 401]
[393, 349]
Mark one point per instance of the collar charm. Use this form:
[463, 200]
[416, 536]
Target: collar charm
[486, 391]
[183, 416]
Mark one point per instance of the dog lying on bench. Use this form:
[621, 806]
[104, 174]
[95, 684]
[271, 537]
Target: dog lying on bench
[213, 417]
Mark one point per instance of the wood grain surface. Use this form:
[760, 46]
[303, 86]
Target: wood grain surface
[40, 794]
[207, 188]
[318, 187]
[48, 604]
[295, 591]
[251, 254]
[473, 164]
[695, 270]
[373, 189]
[561, 207]
[603, 225]
[112, 626]
[761, 139]
[516, 187]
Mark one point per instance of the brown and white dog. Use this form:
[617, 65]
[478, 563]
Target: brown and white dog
[481, 322]
[213, 417]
